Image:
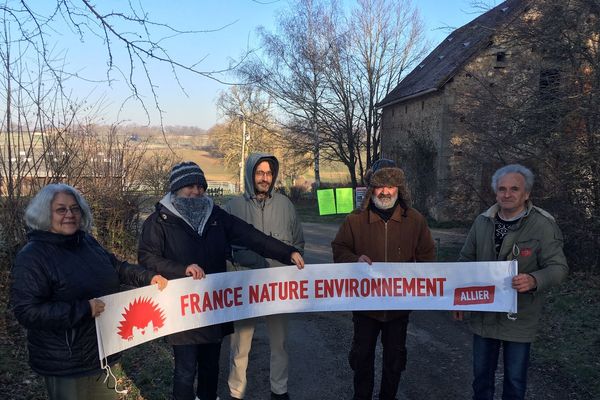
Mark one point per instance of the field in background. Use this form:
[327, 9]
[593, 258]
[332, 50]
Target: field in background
[214, 168]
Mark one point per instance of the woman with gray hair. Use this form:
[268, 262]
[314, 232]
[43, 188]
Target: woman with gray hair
[55, 281]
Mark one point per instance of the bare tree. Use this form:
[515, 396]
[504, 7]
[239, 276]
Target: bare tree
[131, 40]
[292, 68]
[326, 71]
[388, 39]
[153, 174]
[251, 106]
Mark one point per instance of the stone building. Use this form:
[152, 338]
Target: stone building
[423, 118]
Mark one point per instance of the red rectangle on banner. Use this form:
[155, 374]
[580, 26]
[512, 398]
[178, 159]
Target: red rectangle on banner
[474, 295]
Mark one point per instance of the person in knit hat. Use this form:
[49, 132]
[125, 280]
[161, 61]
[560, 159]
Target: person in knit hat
[188, 235]
[184, 174]
[384, 229]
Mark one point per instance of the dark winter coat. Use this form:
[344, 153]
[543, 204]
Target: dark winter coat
[169, 244]
[53, 278]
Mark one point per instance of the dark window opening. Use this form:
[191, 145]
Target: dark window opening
[549, 83]
[422, 105]
[500, 56]
[405, 109]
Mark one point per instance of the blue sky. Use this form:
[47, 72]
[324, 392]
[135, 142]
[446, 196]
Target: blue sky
[196, 107]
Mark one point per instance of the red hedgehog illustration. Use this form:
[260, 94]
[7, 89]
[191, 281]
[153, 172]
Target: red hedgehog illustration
[138, 315]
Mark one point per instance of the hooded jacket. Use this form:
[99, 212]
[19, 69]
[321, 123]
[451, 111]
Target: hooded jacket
[53, 278]
[169, 244]
[274, 216]
[537, 244]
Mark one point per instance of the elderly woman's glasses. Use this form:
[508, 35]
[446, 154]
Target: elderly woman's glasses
[75, 210]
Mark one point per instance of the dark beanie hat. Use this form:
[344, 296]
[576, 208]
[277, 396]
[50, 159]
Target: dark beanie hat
[185, 174]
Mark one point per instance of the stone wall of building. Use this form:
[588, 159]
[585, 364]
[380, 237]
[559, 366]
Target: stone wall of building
[450, 187]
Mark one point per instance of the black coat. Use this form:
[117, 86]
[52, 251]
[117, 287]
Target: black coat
[52, 280]
[168, 245]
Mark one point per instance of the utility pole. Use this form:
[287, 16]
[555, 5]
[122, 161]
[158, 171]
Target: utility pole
[242, 159]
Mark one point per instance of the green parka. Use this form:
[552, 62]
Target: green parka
[537, 243]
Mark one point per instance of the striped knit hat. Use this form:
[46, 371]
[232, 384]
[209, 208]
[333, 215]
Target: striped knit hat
[185, 174]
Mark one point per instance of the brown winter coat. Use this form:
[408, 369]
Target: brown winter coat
[401, 239]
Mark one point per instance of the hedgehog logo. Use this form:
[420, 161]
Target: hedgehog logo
[141, 315]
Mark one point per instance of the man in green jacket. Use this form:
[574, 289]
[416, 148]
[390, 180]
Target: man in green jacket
[512, 229]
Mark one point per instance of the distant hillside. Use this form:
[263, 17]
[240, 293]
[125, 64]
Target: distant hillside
[142, 130]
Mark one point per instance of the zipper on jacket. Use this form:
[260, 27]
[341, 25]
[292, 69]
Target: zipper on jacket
[386, 242]
[385, 312]
[262, 216]
[68, 342]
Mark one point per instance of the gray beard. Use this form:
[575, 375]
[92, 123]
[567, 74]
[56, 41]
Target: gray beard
[383, 204]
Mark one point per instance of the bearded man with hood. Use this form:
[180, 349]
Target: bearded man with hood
[384, 229]
[273, 214]
[188, 235]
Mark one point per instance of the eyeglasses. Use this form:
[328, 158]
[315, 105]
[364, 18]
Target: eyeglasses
[262, 174]
[75, 210]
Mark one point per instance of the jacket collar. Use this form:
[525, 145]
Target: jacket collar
[493, 210]
[396, 216]
[56, 238]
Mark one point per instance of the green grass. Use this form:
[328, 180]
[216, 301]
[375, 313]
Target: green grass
[447, 253]
[569, 344]
[148, 371]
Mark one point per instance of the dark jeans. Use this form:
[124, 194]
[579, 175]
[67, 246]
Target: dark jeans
[362, 355]
[485, 360]
[190, 359]
[91, 387]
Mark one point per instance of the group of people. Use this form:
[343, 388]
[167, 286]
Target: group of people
[60, 273]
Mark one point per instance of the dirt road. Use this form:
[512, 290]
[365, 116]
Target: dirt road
[439, 350]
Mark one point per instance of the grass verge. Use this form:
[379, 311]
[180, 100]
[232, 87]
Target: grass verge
[568, 345]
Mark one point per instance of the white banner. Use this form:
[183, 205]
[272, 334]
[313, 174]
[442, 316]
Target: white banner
[137, 316]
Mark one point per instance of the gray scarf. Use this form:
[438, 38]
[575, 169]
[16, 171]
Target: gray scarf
[195, 210]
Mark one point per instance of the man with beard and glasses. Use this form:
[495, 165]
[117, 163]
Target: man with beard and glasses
[384, 229]
[273, 214]
[188, 235]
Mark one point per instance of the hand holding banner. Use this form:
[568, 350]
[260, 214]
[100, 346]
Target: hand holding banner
[137, 316]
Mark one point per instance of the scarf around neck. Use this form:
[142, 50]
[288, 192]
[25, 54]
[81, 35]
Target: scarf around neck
[195, 210]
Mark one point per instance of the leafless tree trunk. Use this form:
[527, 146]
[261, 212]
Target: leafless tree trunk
[389, 39]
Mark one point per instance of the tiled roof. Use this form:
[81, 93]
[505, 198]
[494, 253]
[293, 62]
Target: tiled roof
[450, 55]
